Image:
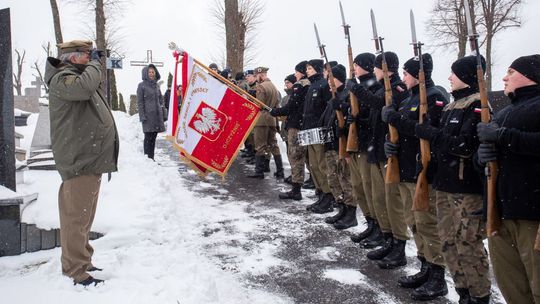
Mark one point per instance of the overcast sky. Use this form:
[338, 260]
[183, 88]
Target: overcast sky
[284, 37]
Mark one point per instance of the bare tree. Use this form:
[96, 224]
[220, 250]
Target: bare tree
[17, 81]
[499, 15]
[447, 24]
[238, 19]
[36, 67]
[56, 22]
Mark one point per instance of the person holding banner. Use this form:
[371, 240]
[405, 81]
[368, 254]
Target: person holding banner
[150, 102]
[265, 129]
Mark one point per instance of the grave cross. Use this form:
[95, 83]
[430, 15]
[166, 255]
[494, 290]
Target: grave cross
[147, 62]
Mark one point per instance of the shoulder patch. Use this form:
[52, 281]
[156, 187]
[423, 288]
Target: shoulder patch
[439, 103]
[477, 110]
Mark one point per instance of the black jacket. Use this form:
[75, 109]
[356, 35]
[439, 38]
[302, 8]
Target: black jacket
[405, 121]
[368, 83]
[295, 106]
[455, 144]
[518, 183]
[374, 102]
[329, 118]
[317, 95]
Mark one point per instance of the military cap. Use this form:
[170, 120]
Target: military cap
[261, 70]
[249, 72]
[75, 46]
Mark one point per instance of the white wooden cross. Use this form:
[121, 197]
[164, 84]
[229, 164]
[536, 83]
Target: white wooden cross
[147, 62]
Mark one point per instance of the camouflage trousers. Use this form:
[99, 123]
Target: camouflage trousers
[423, 224]
[462, 231]
[516, 264]
[265, 141]
[317, 167]
[361, 183]
[338, 177]
[296, 155]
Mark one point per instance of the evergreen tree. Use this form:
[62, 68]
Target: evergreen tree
[133, 107]
[122, 105]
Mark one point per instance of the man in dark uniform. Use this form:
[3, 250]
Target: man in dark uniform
[513, 139]
[429, 281]
[249, 144]
[293, 110]
[314, 104]
[385, 196]
[459, 186]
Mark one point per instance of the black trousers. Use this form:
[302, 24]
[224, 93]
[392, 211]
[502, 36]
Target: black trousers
[150, 143]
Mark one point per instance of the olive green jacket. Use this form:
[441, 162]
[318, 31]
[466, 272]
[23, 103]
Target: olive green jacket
[269, 95]
[83, 132]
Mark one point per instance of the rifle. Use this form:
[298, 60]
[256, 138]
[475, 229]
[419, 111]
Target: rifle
[492, 168]
[421, 195]
[339, 115]
[352, 139]
[392, 165]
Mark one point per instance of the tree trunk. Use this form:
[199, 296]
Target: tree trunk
[56, 22]
[17, 81]
[489, 63]
[114, 93]
[100, 38]
[235, 33]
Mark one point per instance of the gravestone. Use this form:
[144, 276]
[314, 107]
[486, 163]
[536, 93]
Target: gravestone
[29, 102]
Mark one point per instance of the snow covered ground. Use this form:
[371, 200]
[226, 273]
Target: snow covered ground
[153, 250]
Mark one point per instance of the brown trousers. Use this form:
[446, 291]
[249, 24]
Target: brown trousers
[265, 141]
[317, 167]
[361, 183]
[77, 201]
[516, 264]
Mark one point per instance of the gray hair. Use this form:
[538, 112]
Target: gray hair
[67, 56]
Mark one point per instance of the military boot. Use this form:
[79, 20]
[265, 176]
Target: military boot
[259, 167]
[434, 287]
[309, 184]
[364, 234]
[334, 218]
[417, 279]
[266, 166]
[396, 257]
[385, 249]
[325, 205]
[464, 296]
[279, 167]
[374, 239]
[248, 152]
[319, 195]
[294, 194]
[348, 220]
[482, 300]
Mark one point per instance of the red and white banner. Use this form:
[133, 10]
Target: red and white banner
[213, 122]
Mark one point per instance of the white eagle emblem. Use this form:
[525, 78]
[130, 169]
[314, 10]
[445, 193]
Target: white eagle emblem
[207, 122]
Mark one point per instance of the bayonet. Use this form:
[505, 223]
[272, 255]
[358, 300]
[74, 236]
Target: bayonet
[413, 35]
[319, 44]
[344, 24]
[375, 34]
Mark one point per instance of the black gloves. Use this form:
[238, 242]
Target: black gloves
[336, 104]
[486, 153]
[390, 148]
[273, 112]
[350, 84]
[425, 130]
[489, 132]
[387, 112]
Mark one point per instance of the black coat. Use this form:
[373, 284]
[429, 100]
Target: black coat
[375, 101]
[455, 144]
[329, 118]
[518, 183]
[405, 122]
[317, 95]
[368, 83]
[294, 108]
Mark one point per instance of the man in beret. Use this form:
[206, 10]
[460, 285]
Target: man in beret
[265, 129]
[513, 139]
[85, 145]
